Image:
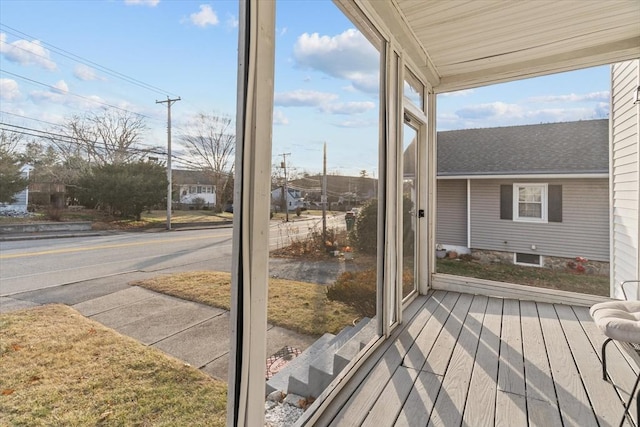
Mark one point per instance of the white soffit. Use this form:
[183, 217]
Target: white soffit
[465, 43]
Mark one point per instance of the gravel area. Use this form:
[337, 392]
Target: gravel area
[281, 414]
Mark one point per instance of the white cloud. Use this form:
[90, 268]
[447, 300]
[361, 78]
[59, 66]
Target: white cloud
[205, 17]
[572, 97]
[61, 87]
[150, 3]
[490, 110]
[9, 90]
[303, 98]
[86, 73]
[25, 52]
[358, 123]
[56, 93]
[463, 92]
[232, 21]
[279, 118]
[323, 101]
[347, 56]
[501, 114]
[348, 107]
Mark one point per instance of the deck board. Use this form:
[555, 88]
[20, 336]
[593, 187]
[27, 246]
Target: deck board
[450, 402]
[542, 403]
[419, 351]
[510, 397]
[419, 404]
[618, 367]
[395, 394]
[369, 390]
[603, 400]
[463, 360]
[574, 404]
[481, 401]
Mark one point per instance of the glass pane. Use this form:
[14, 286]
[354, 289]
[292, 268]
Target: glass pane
[323, 263]
[486, 131]
[530, 210]
[414, 89]
[530, 194]
[409, 195]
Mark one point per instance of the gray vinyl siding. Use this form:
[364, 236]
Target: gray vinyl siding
[584, 230]
[625, 165]
[451, 219]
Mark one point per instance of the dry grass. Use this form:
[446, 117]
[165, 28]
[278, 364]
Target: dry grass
[178, 216]
[297, 306]
[102, 221]
[59, 368]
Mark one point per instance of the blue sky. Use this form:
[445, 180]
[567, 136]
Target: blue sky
[59, 58]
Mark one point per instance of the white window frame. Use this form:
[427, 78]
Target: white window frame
[540, 260]
[544, 209]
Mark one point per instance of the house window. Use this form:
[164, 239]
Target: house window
[199, 189]
[530, 202]
[527, 259]
[192, 189]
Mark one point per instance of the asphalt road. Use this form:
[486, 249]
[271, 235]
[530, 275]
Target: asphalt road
[32, 265]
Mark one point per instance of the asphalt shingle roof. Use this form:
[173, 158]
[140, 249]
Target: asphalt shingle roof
[552, 148]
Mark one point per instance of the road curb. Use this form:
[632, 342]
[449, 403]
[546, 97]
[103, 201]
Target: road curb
[18, 237]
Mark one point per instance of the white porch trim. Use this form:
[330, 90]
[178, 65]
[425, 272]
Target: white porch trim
[250, 270]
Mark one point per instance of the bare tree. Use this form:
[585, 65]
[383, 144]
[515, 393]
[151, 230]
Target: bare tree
[9, 141]
[107, 137]
[211, 143]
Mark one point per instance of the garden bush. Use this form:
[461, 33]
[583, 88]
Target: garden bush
[357, 290]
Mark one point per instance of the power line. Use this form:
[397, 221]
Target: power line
[84, 61]
[50, 136]
[66, 92]
[72, 138]
[66, 139]
[37, 133]
[29, 118]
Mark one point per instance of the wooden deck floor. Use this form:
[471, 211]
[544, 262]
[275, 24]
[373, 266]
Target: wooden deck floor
[471, 360]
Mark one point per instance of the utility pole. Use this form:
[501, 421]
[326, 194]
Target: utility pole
[283, 165]
[323, 197]
[169, 103]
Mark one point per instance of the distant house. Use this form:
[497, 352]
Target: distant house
[193, 188]
[22, 198]
[342, 191]
[533, 195]
[294, 199]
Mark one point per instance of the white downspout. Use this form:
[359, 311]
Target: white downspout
[469, 214]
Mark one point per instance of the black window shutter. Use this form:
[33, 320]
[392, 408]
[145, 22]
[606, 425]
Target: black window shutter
[555, 203]
[506, 202]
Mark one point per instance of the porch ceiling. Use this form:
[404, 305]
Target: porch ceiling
[465, 43]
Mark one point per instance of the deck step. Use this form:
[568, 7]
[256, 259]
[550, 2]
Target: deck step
[321, 370]
[350, 350]
[280, 381]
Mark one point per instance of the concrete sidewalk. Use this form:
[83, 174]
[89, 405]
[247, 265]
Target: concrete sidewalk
[194, 333]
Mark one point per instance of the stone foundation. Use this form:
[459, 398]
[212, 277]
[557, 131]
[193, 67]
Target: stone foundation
[553, 263]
